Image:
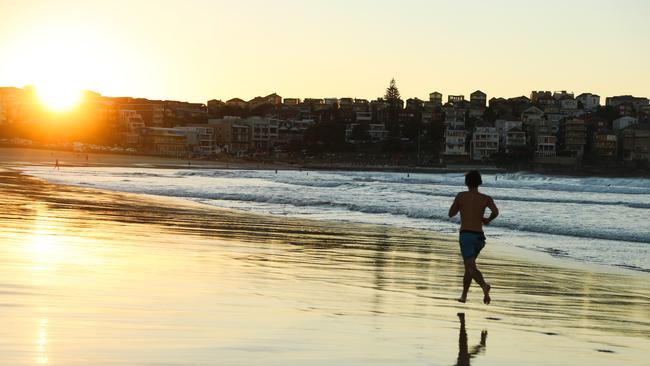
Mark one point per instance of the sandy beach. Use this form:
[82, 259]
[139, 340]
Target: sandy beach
[93, 277]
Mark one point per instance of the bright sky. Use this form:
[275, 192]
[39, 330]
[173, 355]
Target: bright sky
[197, 50]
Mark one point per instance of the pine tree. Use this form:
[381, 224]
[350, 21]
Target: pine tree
[392, 93]
[394, 108]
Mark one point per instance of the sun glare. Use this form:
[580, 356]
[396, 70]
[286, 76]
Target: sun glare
[62, 59]
[57, 97]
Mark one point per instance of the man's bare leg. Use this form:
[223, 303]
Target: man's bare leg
[467, 282]
[486, 294]
[470, 266]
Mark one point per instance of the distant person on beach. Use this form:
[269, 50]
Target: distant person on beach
[471, 205]
[56, 165]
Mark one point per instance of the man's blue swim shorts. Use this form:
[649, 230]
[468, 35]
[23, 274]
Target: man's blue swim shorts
[471, 243]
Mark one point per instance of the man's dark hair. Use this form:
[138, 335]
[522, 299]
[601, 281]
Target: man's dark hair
[473, 179]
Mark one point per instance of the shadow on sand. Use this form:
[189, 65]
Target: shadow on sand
[464, 354]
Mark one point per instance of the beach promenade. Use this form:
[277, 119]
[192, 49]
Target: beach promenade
[92, 277]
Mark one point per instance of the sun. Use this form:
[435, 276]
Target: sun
[62, 59]
[58, 97]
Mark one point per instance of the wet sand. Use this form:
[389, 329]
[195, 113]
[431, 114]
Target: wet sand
[91, 277]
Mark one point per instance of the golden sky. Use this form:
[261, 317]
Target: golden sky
[197, 50]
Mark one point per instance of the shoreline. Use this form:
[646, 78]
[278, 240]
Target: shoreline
[115, 159]
[502, 249]
[506, 248]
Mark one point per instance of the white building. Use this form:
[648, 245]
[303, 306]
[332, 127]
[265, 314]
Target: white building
[455, 141]
[332, 101]
[376, 131]
[264, 131]
[562, 94]
[531, 117]
[363, 117]
[205, 143]
[589, 101]
[302, 124]
[292, 130]
[485, 143]
[503, 127]
[167, 141]
[291, 101]
[623, 122]
[454, 118]
[132, 124]
[568, 105]
[546, 146]
[231, 135]
[553, 122]
[637, 103]
[455, 98]
[515, 138]
[455, 134]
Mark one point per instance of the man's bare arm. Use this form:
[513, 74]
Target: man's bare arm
[455, 207]
[494, 211]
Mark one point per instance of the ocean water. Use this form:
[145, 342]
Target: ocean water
[596, 220]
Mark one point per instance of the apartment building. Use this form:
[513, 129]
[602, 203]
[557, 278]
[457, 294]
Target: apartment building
[376, 131]
[623, 122]
[515, 139]
[166, 141]
[485, 143]
[636, 143]
[590, 102]
[605, 144]
[264, 132]
[152, 113]
[204, 134]
[636, 103]
[231, 135]
[292, 130]
[573, 136]
[131, 124]
[545, 146]
[435, 98]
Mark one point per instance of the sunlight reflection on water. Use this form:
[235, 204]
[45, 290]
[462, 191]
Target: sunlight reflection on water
[41, 343]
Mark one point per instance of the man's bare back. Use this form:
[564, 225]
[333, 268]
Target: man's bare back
[472, 205]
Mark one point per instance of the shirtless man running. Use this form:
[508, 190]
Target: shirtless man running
[471, 205]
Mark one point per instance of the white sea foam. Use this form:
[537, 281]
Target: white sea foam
[602, 220]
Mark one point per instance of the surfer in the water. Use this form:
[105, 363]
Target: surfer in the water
[472, 205]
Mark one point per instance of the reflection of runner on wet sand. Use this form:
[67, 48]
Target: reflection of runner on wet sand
[464, 355]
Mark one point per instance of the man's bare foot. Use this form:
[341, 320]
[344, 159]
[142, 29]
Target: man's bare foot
[486, 294]
[462, 299]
